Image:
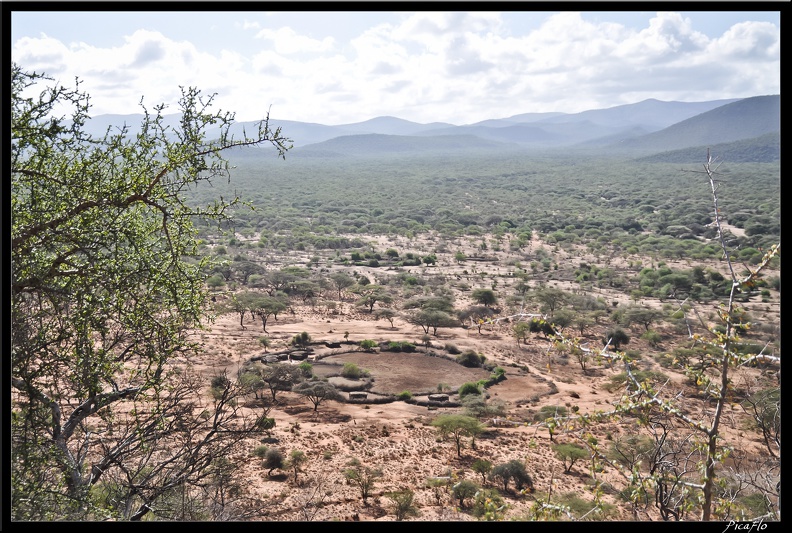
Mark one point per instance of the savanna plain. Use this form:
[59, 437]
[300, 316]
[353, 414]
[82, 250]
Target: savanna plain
[479, 322]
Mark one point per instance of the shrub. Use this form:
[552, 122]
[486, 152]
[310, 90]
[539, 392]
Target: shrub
[218, 386]
[452, 349]
[368, 344]
[619, 380]
[404, 395]
[652, 337]
[477, 406]
[301, 339]
[260, 451]
[273, 458]
[489, 505]
[747, 348]
[634, 355]
[498, 374]
[306, 368]
[401, 347]
[463, 490]
[219, 382]
[617, 337]
[581, 507]
[549, 411]
[351, 371]
[664, 360]
[470, 359]
[469, 388]
[403, 503]
[215, 281]
[513, 470]
[569, 454]
[754, 504]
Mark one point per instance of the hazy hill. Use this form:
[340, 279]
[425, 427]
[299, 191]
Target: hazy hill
[379, 144]
[539, 135]
[632, 127]
[305, 133]
[515, 133]
[392, 126]
[650, 114]
[763, 149]
[743, 119]
[524, 117]
[600, 126]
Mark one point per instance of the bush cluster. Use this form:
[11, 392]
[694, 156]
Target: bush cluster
[400, 346]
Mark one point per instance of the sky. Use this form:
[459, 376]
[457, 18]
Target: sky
[460, 67]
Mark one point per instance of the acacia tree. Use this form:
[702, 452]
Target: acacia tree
[264, 306]
[240, 303]
[478, 315]
[432, 319]
[463, 490]
[245, 269]
[550, 299]
[370, 294]
[275, 281]
[106, 284]
[511, 470]
[279, 377]
[520, 330]
[364, 477]
[341, 281]
[485, 297]
[317, 391]
[646, 317]
[483, 467]
[387, 313]
[458, 426]
[403, 501]
[297, 459]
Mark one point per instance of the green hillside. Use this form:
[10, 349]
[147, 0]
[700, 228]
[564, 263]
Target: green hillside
[763, 149]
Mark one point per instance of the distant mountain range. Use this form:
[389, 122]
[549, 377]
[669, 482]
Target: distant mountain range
[644, 128]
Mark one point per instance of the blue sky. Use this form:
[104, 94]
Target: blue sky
[339, 67]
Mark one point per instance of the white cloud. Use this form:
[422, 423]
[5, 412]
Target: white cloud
[443, 66]
[42, 54]
[749, 40]
[287, 41]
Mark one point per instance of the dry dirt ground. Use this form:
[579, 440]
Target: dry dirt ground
[398, 438]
